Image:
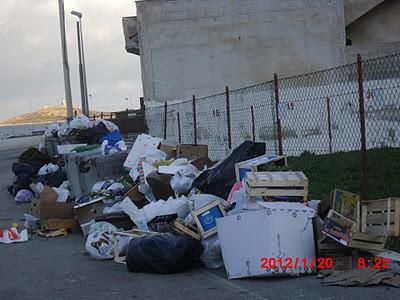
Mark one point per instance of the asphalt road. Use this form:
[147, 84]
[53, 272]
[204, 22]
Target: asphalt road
[59, 268]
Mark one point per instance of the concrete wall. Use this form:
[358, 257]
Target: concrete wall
[353, 9]
[380, 25]
[198, 47]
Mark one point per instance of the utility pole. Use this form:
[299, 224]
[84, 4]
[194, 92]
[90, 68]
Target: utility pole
[67, 80]
[82, 65]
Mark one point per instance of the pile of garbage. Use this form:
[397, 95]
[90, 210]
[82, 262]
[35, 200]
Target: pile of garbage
[163, 207]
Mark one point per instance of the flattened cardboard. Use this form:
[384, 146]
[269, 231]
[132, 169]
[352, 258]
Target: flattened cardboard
[191, 152]
[58, 224]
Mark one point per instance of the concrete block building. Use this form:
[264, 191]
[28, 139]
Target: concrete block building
[198, 47]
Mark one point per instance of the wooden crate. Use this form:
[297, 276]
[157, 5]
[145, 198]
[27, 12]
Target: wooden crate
[286, 184]
[381, 217]
[134, 233]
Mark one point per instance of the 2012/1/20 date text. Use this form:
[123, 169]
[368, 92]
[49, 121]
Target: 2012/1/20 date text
[296, 262]
[320, 263]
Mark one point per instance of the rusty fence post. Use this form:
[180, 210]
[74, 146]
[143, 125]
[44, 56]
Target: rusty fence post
[228, 118]
[101, 115]
[165, 119]
[364, 168]
[179, 128]
[328, 107]
[145, 128]
[278, 119]
[253, 123]
[194, 120]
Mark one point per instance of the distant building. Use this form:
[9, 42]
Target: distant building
[198, 47]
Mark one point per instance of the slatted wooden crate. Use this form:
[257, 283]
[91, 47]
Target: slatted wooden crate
[381, 217]
[284, 184]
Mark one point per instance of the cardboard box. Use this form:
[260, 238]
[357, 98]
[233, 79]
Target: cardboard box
[44, 209]
[48, 194]
[169, 148]
[256, 164]
[137, 197]
[84, 212]
[280, 230]
[191, 152]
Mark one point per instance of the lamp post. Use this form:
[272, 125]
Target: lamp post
[67, 81]
[82, 66]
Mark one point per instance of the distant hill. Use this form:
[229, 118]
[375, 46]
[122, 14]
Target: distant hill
[46, 114]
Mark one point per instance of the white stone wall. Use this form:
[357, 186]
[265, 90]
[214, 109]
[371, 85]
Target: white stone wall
[198, 47]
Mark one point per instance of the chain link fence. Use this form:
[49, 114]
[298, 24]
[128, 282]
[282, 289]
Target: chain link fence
[349, 108]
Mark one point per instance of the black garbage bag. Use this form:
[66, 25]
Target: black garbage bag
[21, 182]
[220, 179]
[22, 168]
[34, 158]
[54, 179]
[163, 254]
[95, 134]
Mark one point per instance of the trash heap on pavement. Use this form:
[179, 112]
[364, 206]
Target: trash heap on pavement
[163, 207]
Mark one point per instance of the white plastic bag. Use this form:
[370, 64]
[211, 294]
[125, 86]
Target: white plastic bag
[181, 183]
[63, 194]
[47, 169]
[140, 217]
[109, 125]
[212, 255]
[99, 242]
[80, 122]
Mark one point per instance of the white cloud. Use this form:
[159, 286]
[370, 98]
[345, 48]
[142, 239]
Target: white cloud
[30, 55]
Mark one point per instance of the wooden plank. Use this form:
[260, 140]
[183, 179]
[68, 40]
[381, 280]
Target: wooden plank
[396, 230]
[277, 179]
[188, 229]
[381, 204]
[268, 192]
[380, 218]
[380, 230]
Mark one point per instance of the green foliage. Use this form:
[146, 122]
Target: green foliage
[343, 170]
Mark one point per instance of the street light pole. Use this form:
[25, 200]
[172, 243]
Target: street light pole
[67, 80]
[84, 111]
[82, 66]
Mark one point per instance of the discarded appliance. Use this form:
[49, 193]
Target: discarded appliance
[267, 242]
[206, 217]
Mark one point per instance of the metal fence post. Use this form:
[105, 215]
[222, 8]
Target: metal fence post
[194, 120]
[165, 119]
[228, 117]
[145, 129]
[278, 120]
[253, 123]
[364, 168]
[328, 106]
[179, 128]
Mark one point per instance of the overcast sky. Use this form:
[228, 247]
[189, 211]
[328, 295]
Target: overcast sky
[31, 74]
